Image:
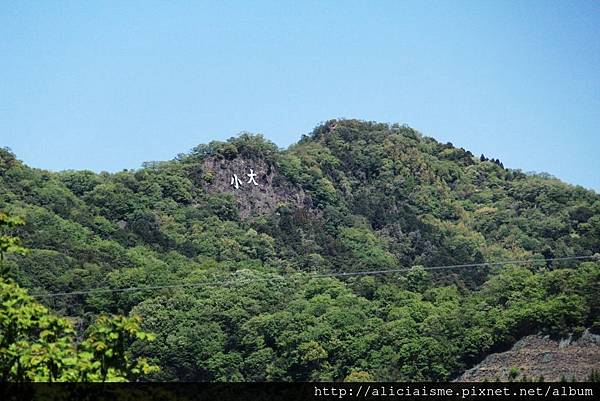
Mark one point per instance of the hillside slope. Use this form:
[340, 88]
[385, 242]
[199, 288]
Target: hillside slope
[540, 357]
[233, 233]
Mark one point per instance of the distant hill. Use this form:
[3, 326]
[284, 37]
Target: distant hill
[245, 242]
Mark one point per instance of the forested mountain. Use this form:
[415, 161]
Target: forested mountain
[247, 249]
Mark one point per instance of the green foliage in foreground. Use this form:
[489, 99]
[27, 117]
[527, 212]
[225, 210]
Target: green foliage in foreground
[37, 345]
[377, 197]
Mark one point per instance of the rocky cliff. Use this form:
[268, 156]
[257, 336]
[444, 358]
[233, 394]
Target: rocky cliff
[537, 356]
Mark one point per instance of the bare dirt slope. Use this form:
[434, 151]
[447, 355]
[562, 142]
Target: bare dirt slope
[539, 356]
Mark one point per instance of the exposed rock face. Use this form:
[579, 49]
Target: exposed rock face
[272, 190]
[539, 356]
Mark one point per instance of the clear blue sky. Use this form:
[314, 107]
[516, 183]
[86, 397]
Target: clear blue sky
[108, 85]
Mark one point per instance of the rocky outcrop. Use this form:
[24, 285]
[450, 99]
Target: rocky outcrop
[538, 356]
[271, 189]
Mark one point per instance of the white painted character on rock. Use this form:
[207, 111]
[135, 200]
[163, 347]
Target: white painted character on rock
[235, 181]
[252, 176]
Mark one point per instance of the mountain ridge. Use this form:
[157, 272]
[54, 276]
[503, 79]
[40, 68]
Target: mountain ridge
[351, 196]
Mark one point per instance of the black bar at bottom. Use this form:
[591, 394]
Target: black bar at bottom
[296, 391]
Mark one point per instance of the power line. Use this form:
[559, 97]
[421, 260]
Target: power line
[336, 274]
[145, 288]
[506, 262]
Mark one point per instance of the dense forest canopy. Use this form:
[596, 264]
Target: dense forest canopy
[247, 275]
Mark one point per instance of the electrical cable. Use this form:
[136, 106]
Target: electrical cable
[324, 275]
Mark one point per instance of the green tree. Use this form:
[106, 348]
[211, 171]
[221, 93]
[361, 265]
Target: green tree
[37, 345]
[9, 243]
